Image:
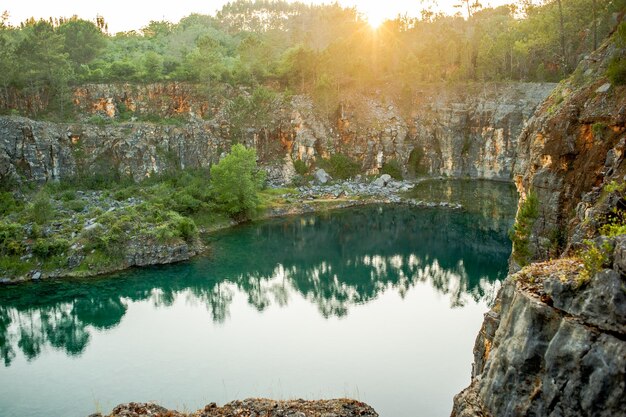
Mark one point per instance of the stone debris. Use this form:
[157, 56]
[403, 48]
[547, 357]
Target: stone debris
[253, 408]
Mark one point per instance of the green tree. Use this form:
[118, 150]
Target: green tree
[83, 41]
[7, 59]
[153, 66]
[236, 181]
[43, 63]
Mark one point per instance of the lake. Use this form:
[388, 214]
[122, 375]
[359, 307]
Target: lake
[381, 303]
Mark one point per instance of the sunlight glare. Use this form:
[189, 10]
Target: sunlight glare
[374, 12]
[375, 20]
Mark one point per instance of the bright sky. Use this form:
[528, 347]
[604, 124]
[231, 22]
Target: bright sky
[123, 15]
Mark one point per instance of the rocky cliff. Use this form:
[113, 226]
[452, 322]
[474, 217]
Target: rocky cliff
[465, 130]
[571, 147]
[551, 347]
[554, 343]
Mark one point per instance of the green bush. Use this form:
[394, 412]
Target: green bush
[11, 239]
[235, 183]
[8, 203]
[68, 195]
[42, 210]
[186, 228]
[300, 167]
[125, 193]
[76, 205]
[392, 168]
[520, 234]
[45, 248]
[341, 166]
[616, 71]
[594, 258]
[185, 203]
[415, 164]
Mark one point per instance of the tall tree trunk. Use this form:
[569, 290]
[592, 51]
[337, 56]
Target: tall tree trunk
[562, 29]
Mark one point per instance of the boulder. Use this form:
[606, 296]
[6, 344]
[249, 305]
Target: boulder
[382, 181]
[322, 177]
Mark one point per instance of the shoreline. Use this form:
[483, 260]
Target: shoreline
[323, 201]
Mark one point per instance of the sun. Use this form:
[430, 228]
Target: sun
[375, 20]
[374, 13]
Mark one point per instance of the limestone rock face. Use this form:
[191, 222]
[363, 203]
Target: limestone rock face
[546, 360]
[153, 253]
[456, 131]
[473, 131]
[575, 142]
[554, 343]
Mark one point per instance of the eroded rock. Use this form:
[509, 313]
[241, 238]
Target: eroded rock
[255, 407]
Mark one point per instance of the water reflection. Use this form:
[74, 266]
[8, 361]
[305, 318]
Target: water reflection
[335, 261]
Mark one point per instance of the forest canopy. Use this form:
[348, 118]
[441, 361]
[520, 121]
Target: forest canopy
[319, 49]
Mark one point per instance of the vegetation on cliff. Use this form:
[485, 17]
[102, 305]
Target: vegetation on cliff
[86, 226]
[520, 233]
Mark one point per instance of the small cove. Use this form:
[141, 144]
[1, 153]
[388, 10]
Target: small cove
[380, 303]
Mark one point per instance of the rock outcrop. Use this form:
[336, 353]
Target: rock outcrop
[254, 407]
[551, 347]
[554, 343]
[574, 143]
[466, 130]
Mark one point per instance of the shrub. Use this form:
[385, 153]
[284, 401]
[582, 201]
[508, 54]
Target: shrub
[415, 165]
[520, 234]
[42, 210]
[598, 129]
[236, 181]
[45, 248]
[616, 71]
[68, 195]
[76, 205]
[186, 228]
[593, 258]
[8, 204]
[392, 168]
[300, 167]
[11, 236]
[185, 203]
[341, 166]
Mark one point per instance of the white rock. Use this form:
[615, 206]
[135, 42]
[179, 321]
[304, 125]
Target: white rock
[322, 176]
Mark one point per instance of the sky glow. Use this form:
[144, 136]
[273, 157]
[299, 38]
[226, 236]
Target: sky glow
[124, 15]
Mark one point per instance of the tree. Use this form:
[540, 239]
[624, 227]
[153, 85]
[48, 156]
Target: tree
[153, 66]
[7, 60]
[83, 41]
[43, 63]
[236, 181]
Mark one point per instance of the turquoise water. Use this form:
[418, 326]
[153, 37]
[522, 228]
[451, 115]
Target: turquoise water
[379, 303]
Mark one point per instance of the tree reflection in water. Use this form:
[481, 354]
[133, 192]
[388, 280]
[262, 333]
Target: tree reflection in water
[334, 260]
